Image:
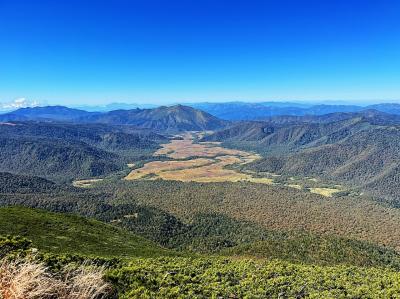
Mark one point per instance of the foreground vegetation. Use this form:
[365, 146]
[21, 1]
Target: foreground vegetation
[56, 276]
[224, 278]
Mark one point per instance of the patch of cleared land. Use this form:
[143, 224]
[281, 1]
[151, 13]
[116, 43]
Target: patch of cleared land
[85, 183]
[299, 187]
[267, 181]
[325, 191]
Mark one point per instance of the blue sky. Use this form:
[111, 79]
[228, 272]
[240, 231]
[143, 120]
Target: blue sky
[96, 52]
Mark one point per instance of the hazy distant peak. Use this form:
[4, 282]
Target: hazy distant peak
[18, 103]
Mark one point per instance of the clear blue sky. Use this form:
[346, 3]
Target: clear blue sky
[94, 52]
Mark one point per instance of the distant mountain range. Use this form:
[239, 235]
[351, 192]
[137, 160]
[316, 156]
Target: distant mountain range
[115, 106]
[16, 104]
[230, 111]
[169, 119]
[260, 111]
[47, 113]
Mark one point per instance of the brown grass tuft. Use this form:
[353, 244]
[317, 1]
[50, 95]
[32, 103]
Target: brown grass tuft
[24, 279]
[85, 282]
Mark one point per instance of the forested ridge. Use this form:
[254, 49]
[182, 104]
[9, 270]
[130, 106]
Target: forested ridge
[174, 118]
[359, 150]
[263, 110]
[70, 151]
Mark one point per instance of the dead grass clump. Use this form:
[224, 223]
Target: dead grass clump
[25, 279]
[85, 282]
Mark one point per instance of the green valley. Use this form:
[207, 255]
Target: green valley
[228, 211]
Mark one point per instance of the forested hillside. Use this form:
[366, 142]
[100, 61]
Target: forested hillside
[207, 230]
[369, 160]
[359, 150]
[17, 184]
[187, 277]
[71, 234]
[116, 137]
[70, 151]
[56, 159]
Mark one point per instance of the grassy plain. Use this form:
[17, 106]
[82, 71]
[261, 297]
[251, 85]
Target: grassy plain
[185, 148]
[208, 162]
[160, 167]
[187, 166]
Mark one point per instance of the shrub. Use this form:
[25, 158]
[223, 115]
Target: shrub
[224, 278]
[13, 245]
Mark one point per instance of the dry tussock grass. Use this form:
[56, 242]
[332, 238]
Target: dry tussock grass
[85, 282]
[26, 279]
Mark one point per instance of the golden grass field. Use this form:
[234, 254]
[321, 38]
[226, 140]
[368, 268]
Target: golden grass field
[158, 167]
[207, 162]
[183, 149]
[214, 172]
